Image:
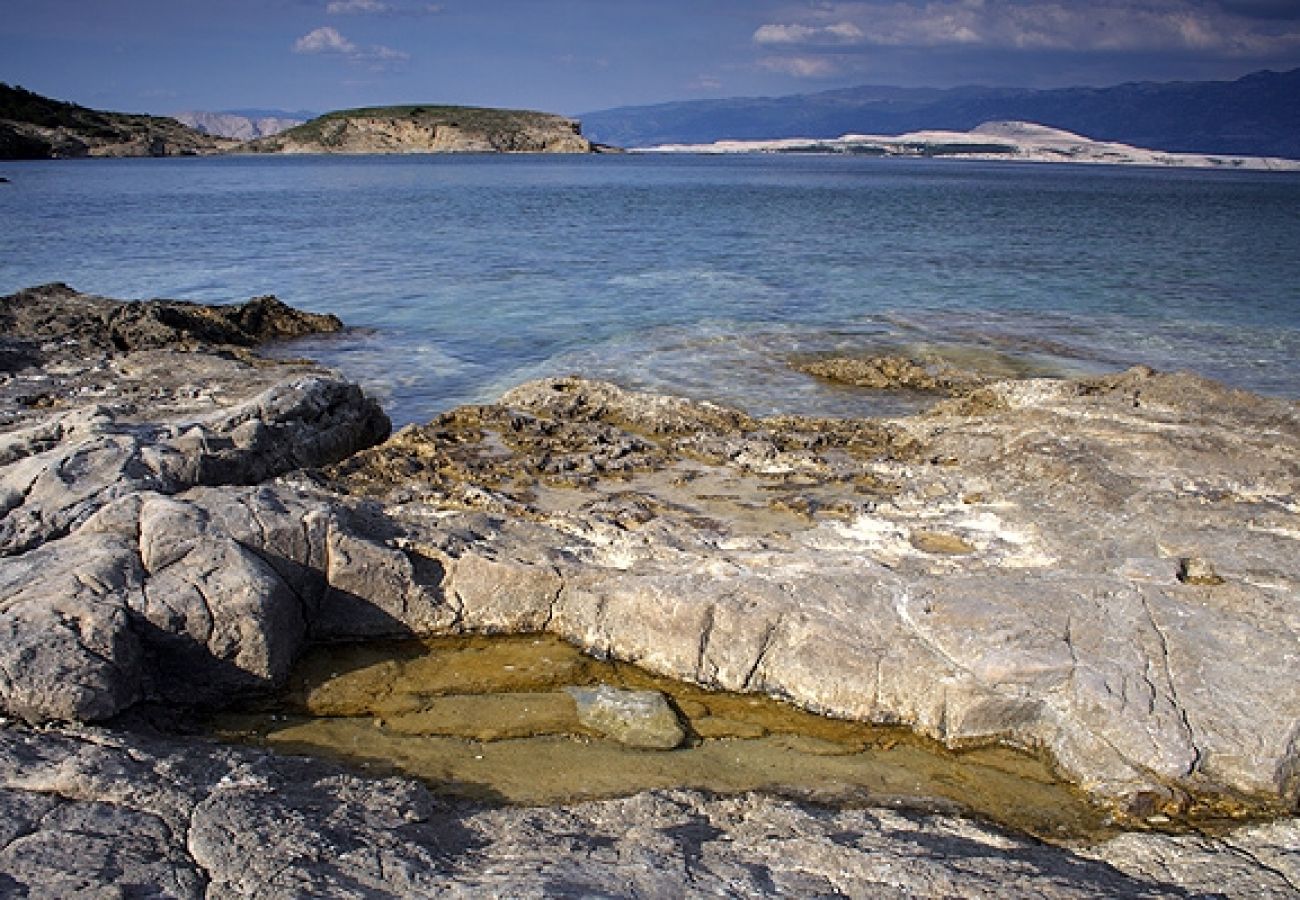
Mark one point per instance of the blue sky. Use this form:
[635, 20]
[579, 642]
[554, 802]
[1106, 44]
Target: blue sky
[573, 56]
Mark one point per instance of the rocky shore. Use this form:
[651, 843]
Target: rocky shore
[1101, 570]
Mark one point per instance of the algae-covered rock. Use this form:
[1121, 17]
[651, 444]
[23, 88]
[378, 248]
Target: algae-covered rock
[641, 719]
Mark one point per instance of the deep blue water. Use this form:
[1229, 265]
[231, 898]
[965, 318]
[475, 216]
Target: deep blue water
[698, 275]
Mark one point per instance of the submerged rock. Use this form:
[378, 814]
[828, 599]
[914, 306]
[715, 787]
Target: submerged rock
[892, 372]
[642, 719]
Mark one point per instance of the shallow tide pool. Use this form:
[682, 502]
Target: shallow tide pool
[487, 718]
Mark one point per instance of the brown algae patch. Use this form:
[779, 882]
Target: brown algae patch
[488, 718]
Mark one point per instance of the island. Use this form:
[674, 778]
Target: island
[36, 127]
[429, 129]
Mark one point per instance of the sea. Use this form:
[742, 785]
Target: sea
[462, 276]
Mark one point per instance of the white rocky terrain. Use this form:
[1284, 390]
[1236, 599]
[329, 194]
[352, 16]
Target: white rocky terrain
[1103, 571]
[1005, 141]
[235, 126]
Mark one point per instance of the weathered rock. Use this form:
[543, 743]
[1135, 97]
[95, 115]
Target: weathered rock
[55, 314]
[62, 470]
[818, 560]
[1101, 568]
[146, 597]
[94, 811]
[641, 719]
[892, 373]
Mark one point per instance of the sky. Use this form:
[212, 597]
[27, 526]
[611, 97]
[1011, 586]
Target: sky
[574, 56]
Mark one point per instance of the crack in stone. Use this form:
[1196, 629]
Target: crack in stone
[1197, 752]
[1252, 858]
[702, 646]
[554, 602]
[769, 638]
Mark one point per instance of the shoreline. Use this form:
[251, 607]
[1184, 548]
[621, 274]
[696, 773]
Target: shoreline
[853, 566]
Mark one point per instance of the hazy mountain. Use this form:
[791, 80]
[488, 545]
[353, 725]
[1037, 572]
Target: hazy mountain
[242, 125]
[1257, 115]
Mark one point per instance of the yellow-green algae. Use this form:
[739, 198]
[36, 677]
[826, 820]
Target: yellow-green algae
[487, 718]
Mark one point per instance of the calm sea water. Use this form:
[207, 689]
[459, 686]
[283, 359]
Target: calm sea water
[466, 275]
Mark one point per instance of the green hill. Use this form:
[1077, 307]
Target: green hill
[429, 128]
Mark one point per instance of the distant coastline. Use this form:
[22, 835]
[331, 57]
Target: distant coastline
[990, 142]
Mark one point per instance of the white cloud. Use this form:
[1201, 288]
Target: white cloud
[346, 7]
[379, 8]
[705, 83]
[327, 40]
[1100, 25]
[800, 66]
[324, 40]
[840, 32]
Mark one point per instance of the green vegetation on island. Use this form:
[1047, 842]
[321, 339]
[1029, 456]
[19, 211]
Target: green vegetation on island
[37, 127]
[429, 128]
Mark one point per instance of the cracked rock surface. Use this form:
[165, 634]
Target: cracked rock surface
[1103, 568]
[1011, 566]
[86, 811]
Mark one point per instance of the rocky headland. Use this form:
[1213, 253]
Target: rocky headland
[1102, 571]
[36, 127]
[429, 129]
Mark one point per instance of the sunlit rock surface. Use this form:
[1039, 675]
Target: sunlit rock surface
[1102, 568]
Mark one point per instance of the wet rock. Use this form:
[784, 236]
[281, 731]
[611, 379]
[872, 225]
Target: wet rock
[638, 527]
[939, 542]
[642, 719]
[1041, 630]
[58, 315]
[892, 373]
[93, 812]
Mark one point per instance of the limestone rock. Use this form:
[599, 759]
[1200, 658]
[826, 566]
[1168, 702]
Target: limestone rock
[58, 314]
[61, 471]
[93, 811]
[679, 551]
[642, 719]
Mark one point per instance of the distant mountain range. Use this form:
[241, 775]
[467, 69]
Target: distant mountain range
[243, 124]
[1257, 115]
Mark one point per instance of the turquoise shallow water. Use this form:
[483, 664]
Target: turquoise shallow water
[466, 275]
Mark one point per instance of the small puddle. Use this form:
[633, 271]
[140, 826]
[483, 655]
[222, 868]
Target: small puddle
[487, 718]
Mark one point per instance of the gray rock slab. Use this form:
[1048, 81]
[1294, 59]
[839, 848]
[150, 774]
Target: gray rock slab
[1010, 566]
[95, 812]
